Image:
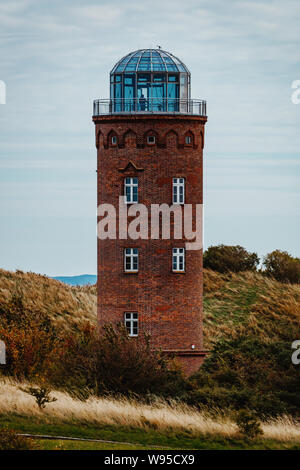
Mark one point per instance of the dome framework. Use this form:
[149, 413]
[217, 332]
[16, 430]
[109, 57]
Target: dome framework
[153, 60]
[150, 80]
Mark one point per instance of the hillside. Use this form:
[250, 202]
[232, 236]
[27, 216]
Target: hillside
[250, 322]
[66, 306]
[250, 303]
[233, 303]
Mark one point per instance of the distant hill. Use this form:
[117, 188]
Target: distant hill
[81, 280]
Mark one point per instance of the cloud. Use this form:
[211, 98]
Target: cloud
[56, 57]
[104, 15]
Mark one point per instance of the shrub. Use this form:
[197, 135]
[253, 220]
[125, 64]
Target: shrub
[28, 339]
[223, 258]
[282, 266]
[248, 424]
[27, 349]
[248, 372]
[113, 363]
[219, 397]
[41, 394]
[9, 440]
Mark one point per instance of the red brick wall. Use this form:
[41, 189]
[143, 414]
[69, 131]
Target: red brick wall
[169, 305]
[190, 364]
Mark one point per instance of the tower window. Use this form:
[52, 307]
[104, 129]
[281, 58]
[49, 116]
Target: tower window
[114, 140]
[178, 190]
[178, 259]
[131, 323]
[188, 140]
[151, 139]
[131, 260]
[131, 190]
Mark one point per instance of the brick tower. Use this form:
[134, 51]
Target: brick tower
[149, 139]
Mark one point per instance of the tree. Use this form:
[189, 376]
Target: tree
[248, 424]
[223, 258]
[41, 394]
[282, 266]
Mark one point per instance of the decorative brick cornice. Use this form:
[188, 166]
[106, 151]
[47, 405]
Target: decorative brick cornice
[139, 128]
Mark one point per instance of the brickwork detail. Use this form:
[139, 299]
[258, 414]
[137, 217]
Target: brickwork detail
[169, 305]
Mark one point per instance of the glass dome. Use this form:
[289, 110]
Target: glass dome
[152, 60]
[149, 80]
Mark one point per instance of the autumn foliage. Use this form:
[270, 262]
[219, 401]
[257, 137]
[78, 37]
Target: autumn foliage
[81, 360]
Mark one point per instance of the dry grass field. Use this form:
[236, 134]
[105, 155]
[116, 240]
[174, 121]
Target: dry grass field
[66, 306]
[237, 303]
[132, 414]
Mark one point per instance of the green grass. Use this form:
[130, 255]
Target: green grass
[140, 439]
[233, 303]
[60, 444]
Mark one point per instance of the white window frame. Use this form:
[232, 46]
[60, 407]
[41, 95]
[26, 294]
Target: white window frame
[178, 260]
[131, 255]
[188, 140]
[178, 190]
[131, 321]
[114, 140]
[151, 139]
[131, 196]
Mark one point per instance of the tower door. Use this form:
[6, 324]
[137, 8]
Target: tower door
[129, 102]
[143, 92]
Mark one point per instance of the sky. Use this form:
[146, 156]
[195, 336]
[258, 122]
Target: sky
[55, 59]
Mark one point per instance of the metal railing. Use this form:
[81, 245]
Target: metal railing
[151, 105]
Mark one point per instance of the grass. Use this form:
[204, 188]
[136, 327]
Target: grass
[128, 421]
[248, 304]
[231, 301]
[204, 445]
[112, 412]
[56, 444]
[66, 306]
[140, 438]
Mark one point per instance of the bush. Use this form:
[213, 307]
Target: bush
[282, 266]
[41, 395]
[248, 424]
[9, 440]
[113, 363]
[29, 340]
[27, 350]
[224, 258]
[248, 372]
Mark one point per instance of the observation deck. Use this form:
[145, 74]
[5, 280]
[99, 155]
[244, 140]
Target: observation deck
[149, 106]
